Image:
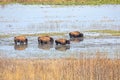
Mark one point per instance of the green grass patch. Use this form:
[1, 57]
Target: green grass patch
[112, 32]
[45, 34]
[4, 36]
[62, 2]
[37, 34]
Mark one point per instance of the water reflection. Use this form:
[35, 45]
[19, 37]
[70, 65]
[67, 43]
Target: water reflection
[62, 47]
[20, 46]
[2, 6]
[45, 46]
[77, 39]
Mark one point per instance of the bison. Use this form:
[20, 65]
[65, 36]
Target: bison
[20, 39]
[62, 41]
[45, 39]
[75, 34]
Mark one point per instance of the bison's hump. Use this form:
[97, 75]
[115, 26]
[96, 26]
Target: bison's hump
[75, 33]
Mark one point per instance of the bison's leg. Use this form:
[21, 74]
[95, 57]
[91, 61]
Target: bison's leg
[41, 41]
[15, 41]
[21, 42]
[76, 36]
[38, 40]
[26, 41]
[56, 42]
[67, 42]
[63, 43]
[80, 35]
[70, 35]
[51, 40]
[44, 42]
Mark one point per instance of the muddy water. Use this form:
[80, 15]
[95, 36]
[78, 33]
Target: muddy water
[18, 19]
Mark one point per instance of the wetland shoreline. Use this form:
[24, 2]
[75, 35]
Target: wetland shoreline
[61, 2]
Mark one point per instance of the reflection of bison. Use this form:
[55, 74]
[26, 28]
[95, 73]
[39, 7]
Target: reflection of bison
[45, 46]
[62, 41]
[62, 47]
[45, 40]
[20, 47]
[75, 34]
[20, 39]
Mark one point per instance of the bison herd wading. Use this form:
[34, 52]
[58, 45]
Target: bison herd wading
[43, 40]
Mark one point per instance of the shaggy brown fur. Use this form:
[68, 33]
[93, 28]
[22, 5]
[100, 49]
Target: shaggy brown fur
[45, 39]
[75, 34]
[20, 39]
[62, 41]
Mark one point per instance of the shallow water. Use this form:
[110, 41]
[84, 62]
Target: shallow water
[90, 46]
[18, 19]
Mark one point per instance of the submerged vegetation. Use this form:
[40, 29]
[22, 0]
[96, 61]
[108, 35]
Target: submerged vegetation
[97, 68]
[62, 2]
[112, 32]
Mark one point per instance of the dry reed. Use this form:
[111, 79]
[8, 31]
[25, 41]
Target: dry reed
[97, 68]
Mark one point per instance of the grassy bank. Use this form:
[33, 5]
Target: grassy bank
[45, 34]
[36, 34]
[111, 32]
[96, 68]
[62, 2]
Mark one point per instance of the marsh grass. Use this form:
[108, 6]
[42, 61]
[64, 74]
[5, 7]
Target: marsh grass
[45, 34]
[4, 36]
[97, 68]
[112, 32]
[36, 34]
[62, 2]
